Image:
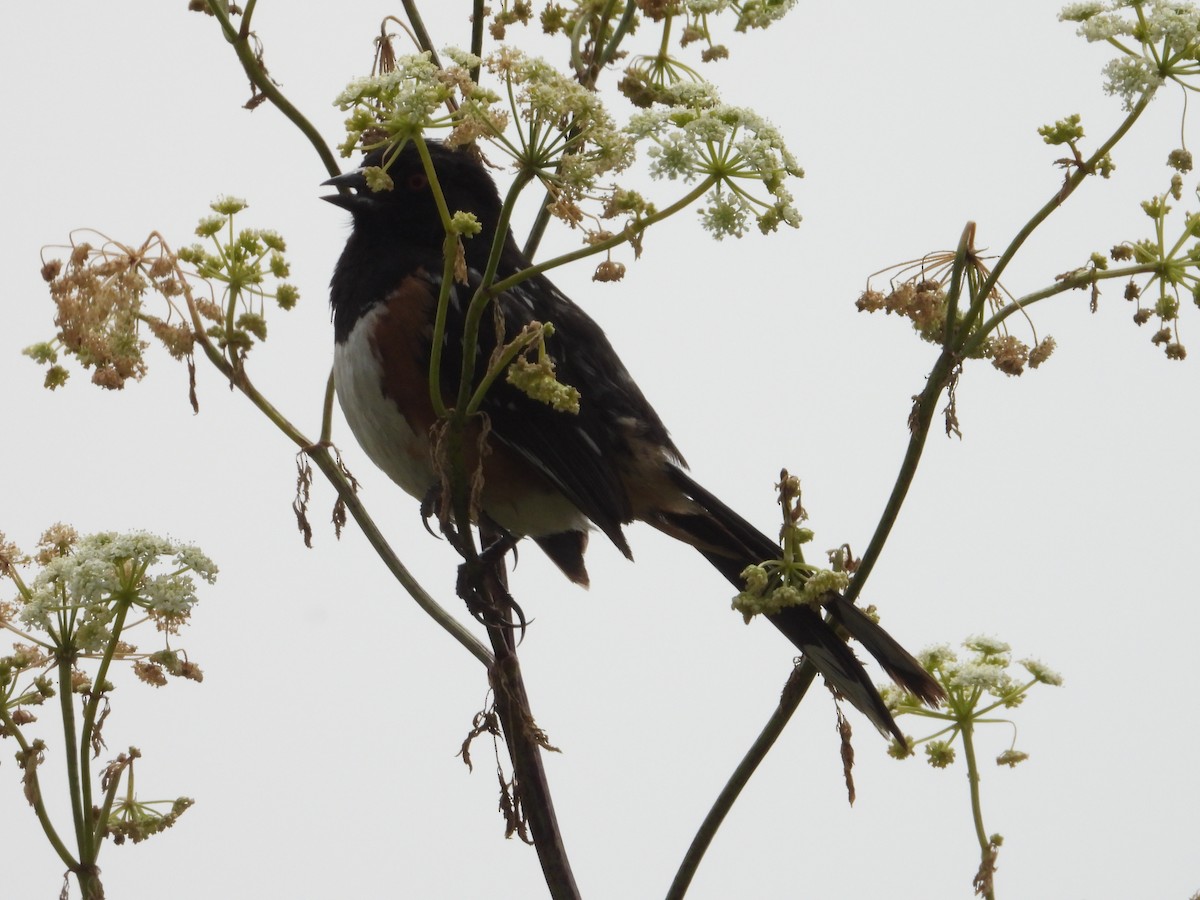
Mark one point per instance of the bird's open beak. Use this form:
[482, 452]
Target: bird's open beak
[354, 182]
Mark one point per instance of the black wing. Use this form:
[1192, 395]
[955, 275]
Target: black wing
[582, 454]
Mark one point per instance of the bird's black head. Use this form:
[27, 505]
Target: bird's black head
[407, 216]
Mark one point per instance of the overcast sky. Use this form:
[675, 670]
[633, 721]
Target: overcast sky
[321, 746]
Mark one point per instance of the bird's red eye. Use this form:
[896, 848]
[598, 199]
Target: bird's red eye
[417, 181]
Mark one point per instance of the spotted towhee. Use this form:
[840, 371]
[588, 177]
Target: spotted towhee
[551, 476]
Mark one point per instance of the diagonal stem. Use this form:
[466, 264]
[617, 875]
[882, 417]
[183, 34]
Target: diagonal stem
[239, 39]
[793, 692]
[940, 376]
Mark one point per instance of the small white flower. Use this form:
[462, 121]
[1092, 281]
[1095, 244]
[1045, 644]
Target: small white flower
[990, 677]
[936, 657]
[708, 139]
[1079, 12]
[724, 218]
[762, 13]
[989, 646]
[1129, 78]
[1042, 672]
[169, 595]
[706, 7]
[189, 555]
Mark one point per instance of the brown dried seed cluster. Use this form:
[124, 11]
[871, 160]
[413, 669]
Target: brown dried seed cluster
[609, 270]
[1009, 354]
[921, 300]
[99, 294]
[98, 299]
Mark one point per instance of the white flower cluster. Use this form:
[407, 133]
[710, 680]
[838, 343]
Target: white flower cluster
[83, 584]
[1160, 40]
[750, 13]
[566, 136]
[697, 136]
[761, 13]
[566, 133]
[399, 105]
[985, 671]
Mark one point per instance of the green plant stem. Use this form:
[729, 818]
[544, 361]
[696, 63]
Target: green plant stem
[793, 692]
[239, 38]
[598, 46]
[1075, 281]
[482, 299]
[538, 230]
[424, 41]
[110, 796]
[622, 29]
[1072, 182]
[923, 409]
[66, 701]
[39, 806]
[327, 410]
[923, 412]
[615, 241]
[89, 720]
[320, 454]
[449, 252]
[985, 845]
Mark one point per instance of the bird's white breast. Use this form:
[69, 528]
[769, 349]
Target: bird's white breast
[382, 432]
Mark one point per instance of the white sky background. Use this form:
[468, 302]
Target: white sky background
[321, 746]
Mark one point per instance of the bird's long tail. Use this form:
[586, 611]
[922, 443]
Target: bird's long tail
[731, 544]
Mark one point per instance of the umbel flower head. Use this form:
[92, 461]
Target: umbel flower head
[240, 262]
[99, 570]
[416, 96]
[83, 581]
[918, 293]
[1159, 41]
[695, 136]
[565, 135]
[100, 295]
[976, 686]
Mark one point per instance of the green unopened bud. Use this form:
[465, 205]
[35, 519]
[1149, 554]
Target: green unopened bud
[377, 179]
[1064, 131]
[208, 226]
[465, 223]
[939, 753]
[286, 296]
[1156, 207]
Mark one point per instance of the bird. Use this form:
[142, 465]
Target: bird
[550, 475]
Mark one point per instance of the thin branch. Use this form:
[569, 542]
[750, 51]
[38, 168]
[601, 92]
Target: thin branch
[789, 701]
[252, 65]
[39, 805]
[531, 786]
[1072, 182]
[319, 454]
[424, 41]
[925, 406]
